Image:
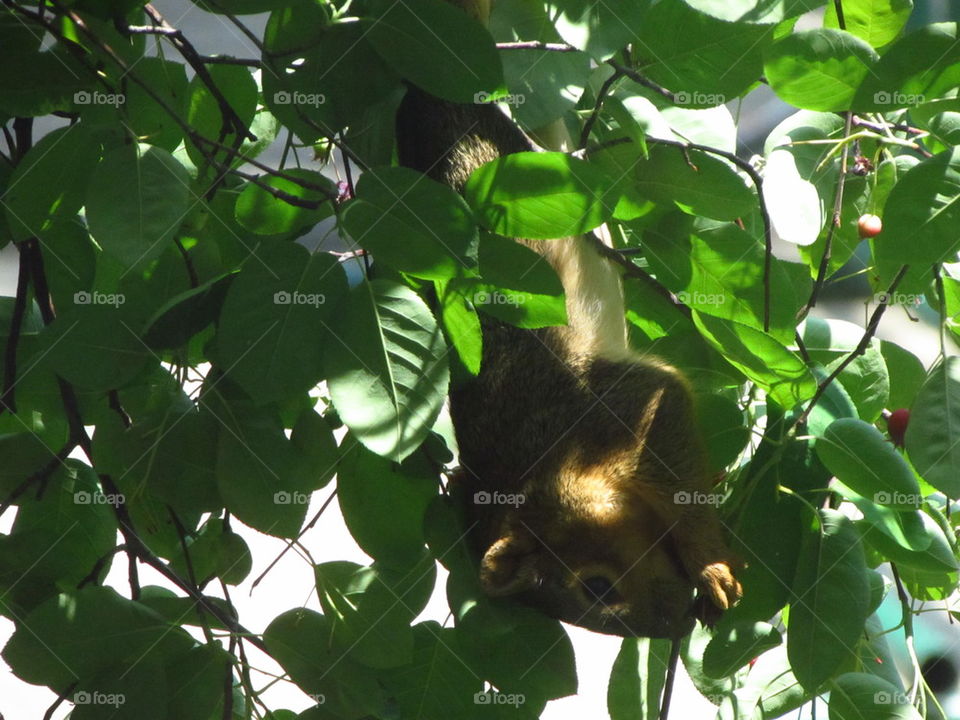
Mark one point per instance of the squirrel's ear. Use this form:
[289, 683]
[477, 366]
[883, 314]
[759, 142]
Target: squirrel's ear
[509, 565]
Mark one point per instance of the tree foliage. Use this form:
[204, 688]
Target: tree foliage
[175, 362]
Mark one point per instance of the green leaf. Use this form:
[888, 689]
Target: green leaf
[862, 696]
[140, 689]
[697, 182]
[760, 357]
[413, 223]
[438, 684]
[533, 78]
[136, 200]
[735, 645]
[144, 116]
[681, 49]
[598, 28]
[539, 195]
[771, 11]
[264, 478]
[275, 319]
[934, 427]
[637, 679]
[320, 77]
[205, 116]
[918, 67]
[386, 368]
[723, 428]
[186, 314]
[879, 22]
[831, 598]
[49, 181]
[39, 83]
[818, 69]
[301, 641]
[462, 327]
[932, 550]
[438, 48]
[919, 222]
[718, 269]
[371, 619]
[862, 458]
[72, 522]
[263, 213]
[82, 634]
[384, 503]
[519, 650]
[196, 679]
[865, 379]
[93, 346]
[796, 211]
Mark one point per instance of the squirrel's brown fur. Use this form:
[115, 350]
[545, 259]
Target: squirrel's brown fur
[597, 439]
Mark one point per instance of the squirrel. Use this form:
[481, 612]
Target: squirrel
[597, 440]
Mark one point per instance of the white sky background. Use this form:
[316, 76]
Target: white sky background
[290, 583]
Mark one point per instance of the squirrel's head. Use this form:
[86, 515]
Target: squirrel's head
[592, 556]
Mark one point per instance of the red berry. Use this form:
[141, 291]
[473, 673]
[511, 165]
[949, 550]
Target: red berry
[897, 425]
[869, 226]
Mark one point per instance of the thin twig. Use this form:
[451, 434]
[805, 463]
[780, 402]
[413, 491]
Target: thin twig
[597, 106]
[537, 45]
[642, 80]
[859, 350]
[8, 400]
[835, 220]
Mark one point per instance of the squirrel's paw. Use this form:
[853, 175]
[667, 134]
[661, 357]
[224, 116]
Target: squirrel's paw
[718, 583]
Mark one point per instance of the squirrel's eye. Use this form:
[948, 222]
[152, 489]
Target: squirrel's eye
[600, 588]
